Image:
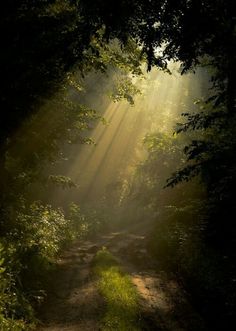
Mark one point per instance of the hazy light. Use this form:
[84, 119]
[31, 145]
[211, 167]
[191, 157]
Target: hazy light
[119, 144]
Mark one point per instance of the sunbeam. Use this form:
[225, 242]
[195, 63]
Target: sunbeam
[118, 144]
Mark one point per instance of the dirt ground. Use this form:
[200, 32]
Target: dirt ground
[74, 303]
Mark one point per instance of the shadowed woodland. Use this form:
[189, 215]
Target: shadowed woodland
[117, 165]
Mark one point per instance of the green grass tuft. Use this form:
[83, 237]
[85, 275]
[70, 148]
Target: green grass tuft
[122, 311]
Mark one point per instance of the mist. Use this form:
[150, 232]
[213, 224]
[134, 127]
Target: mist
[104, 169]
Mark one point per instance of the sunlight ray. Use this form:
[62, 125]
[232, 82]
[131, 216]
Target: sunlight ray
[118, 145]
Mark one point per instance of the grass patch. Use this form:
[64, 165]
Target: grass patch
[122, 311]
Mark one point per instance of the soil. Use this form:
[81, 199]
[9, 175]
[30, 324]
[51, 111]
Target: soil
[74, 303]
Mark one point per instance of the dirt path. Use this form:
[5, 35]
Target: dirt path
[74, 304]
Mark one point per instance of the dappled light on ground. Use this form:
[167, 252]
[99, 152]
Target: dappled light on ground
[91, 283]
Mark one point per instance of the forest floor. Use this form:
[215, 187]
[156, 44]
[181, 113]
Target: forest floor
[75, 303]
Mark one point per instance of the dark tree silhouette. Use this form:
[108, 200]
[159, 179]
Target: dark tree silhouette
[43, 40]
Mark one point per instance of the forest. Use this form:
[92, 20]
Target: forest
[118, 165]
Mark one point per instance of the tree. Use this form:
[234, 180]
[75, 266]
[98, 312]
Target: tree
[194, 33]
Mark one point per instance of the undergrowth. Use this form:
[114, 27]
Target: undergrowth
[207, 276]
[28, 253]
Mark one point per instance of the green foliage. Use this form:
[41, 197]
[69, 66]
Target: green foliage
[98, 217]
[33, 232]
[178, 245]
[165, 155]
[35, 237]
[41, 230]
[211, 155]
[194, 33]
[186, 215]
[8, 300]
[63, 181]
[178, 232]
[80, 224]
[125, 89]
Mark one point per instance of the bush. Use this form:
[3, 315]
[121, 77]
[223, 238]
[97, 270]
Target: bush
[10, 301]
[27, 252]
[178, 245]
